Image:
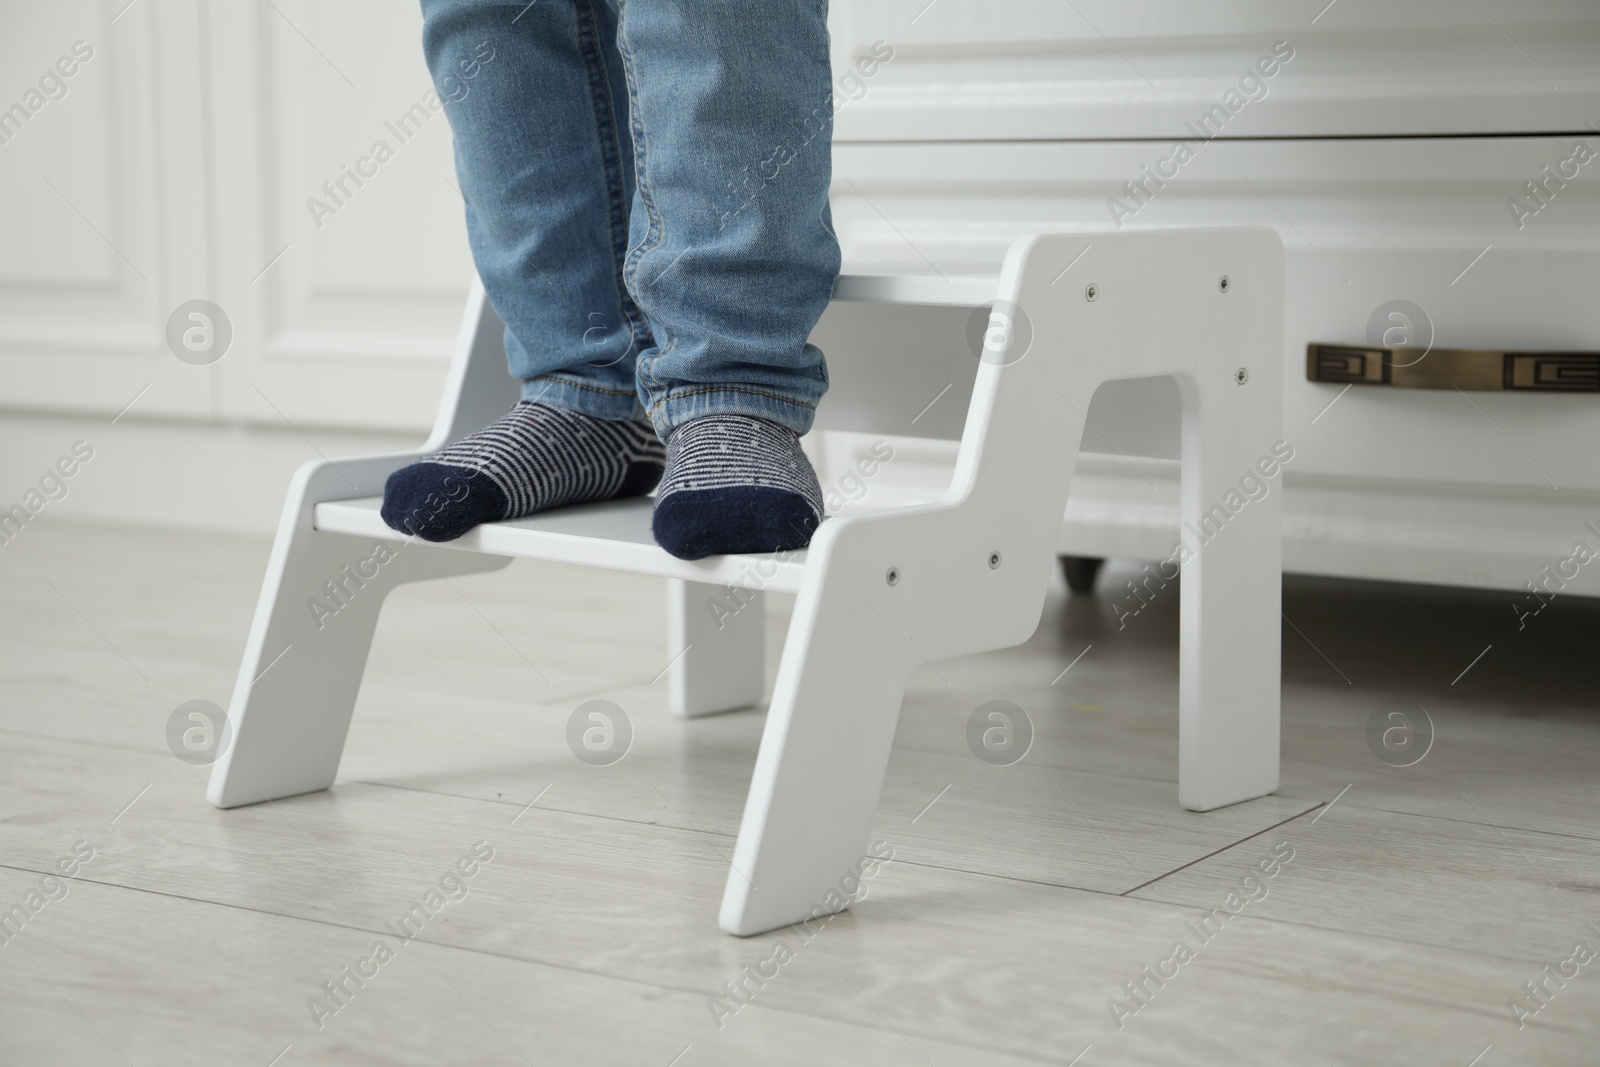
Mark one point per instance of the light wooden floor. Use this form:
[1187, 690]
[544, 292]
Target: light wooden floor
[1019, 902]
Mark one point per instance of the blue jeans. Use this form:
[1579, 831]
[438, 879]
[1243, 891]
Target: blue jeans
[646, 187]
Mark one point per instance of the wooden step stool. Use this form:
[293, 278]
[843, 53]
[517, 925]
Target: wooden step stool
[878, 593]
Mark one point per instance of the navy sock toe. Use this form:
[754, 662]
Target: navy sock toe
[735, 484]
[694, 524]
[437, 502]
[534, 458]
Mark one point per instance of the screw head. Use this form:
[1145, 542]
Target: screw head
[994, 561]
[893, 577]
[1241, 376]
[1223, 284]
[1091, 291]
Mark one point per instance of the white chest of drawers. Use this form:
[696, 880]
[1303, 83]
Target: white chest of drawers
[1390, 146]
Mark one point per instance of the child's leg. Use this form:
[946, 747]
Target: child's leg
[538, 105]
[733, 259]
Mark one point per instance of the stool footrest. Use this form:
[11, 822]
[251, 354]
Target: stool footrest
[612, 535]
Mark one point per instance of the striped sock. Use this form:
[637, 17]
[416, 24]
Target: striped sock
[534, 458]
[735, 484]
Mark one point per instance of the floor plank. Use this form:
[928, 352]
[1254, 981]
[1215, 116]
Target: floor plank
[1458, 884]
[110, 975]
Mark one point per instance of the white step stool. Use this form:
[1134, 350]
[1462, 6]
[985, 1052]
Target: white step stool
[878, 593]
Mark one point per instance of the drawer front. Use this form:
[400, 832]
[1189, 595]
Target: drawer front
[1366, 225]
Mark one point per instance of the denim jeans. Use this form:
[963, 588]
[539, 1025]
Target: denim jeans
[646, 187]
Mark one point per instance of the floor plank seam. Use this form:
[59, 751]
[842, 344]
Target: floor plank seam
[1474, 822]
[1158, 901]
[1525, 961]
[516, 804]
[110, 746]
[378, 784]
[1225, 848]
[551, 701]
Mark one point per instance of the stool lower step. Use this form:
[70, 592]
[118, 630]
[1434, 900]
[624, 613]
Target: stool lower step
[612, 535]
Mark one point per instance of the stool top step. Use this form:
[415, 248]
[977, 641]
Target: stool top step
[953, 291]
[614, 535]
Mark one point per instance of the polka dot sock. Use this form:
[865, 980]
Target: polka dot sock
[735, 484]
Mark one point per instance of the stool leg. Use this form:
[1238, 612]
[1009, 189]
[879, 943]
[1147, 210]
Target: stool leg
[308, 645]
[820, 768]
[1229, 621]
[717, 638]
[1160, 310]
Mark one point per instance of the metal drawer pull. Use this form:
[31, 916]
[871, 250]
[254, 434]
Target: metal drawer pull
[1455, 368]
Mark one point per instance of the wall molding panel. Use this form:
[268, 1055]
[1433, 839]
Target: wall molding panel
[84, 269]
[350, 322]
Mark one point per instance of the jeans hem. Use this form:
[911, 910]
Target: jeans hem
[669, 412]
[591, 400]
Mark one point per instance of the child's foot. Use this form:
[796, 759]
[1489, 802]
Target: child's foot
[534, 458]
[735, 484]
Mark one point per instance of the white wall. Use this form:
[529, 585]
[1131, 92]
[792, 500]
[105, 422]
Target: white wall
[178, 165]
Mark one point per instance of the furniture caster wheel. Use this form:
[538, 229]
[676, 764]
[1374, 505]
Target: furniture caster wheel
[1081, 571]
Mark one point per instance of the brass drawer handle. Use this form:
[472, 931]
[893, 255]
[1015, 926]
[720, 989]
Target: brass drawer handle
[1479, 370]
